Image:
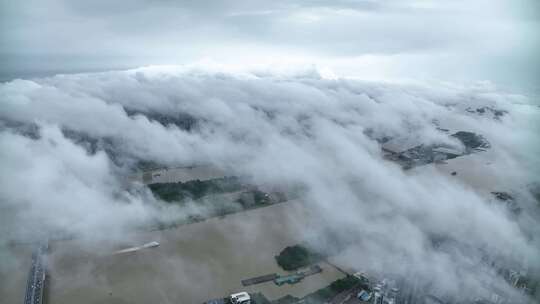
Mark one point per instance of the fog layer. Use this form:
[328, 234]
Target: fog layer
[281, 128]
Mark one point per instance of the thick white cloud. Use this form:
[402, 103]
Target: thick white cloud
[54, 188]
[284, 127]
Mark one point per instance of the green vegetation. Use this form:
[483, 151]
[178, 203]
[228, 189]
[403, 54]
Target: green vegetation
[253, 198]
[195, 189]
[145, 165]
[297, 256]
[471, 140]
[328, 292]
[202, 193]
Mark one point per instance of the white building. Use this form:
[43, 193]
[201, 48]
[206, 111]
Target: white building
[241, 298]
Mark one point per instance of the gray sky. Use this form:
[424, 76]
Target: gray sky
[451, 40]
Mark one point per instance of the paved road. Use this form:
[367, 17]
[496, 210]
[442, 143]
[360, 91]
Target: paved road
[36, 277]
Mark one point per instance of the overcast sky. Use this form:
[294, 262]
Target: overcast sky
[458, 40]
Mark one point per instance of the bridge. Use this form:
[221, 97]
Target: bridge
[36, 277]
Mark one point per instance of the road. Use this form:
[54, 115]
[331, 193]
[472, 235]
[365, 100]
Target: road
[36, 277]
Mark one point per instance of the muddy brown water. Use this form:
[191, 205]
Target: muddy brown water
[192, 264]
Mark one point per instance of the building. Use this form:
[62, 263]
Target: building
[363, 296]
[240, 298]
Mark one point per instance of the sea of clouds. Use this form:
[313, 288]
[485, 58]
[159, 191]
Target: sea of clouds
[69, 141]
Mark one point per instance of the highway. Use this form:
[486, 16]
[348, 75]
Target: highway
[36, 276]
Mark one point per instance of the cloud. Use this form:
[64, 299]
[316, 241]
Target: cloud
[452, 40]
[57, 189]
[282, 127]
